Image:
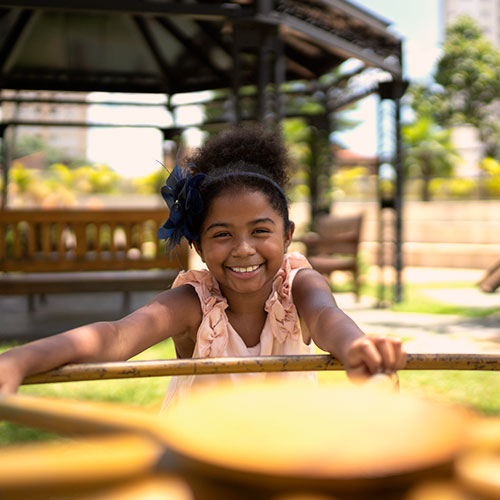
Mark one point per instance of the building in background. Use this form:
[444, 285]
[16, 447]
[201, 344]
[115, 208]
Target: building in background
[70, 141]
[485, 12]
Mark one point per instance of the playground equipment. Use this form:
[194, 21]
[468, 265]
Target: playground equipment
[272, 440]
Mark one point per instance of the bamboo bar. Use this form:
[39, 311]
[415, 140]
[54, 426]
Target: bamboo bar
[320, 362]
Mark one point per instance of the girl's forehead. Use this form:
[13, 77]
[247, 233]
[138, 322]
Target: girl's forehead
[246, 203]
[242, 195]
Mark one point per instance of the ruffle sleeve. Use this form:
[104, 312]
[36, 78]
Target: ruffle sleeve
[281, 310]
[212, 337]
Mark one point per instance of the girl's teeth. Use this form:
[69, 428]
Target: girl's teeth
[244, 269]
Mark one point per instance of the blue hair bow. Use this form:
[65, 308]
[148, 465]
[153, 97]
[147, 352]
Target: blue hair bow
[182, 194]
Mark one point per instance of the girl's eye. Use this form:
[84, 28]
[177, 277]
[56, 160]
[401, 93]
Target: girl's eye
[261, 230]
[222, 234]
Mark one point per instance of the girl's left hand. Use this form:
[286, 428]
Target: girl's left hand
[373, 354]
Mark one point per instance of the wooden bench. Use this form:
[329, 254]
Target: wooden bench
[491, 279]
[334, 246]
[63, 251]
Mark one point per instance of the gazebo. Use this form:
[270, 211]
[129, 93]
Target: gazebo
[175, 47]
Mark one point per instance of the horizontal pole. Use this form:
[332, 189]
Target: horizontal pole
[317, 362]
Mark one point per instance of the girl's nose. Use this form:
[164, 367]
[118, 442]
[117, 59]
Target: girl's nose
[243, 248]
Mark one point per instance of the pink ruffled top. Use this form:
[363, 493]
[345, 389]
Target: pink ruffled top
[216, 336]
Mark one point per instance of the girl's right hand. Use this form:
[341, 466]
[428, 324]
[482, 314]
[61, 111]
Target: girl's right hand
[374, 354]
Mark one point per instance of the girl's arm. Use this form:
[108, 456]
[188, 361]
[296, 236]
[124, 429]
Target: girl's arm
[333, 331]
[174, 312]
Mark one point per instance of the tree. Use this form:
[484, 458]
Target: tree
[468, 74]
[429, 151]
[29, 144]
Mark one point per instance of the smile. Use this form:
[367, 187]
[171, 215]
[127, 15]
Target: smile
[244, 269]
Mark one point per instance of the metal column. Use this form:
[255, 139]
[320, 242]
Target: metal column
[390, 156]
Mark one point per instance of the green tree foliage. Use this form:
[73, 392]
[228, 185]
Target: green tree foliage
[21, 177]
[152, 183]
[429, 152]
[468, 78]
[310, 146]
[491, 180]
[469, 71]
[30, 144]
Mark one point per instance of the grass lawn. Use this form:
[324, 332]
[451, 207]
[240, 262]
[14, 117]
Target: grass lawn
[142, 392]
[415, 301]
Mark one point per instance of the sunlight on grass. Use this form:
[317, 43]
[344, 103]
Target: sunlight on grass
[475, 389]
[415, 301]
[145, 392]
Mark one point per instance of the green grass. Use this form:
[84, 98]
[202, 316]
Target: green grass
[477, 390]
[142, 392]
[416, 301]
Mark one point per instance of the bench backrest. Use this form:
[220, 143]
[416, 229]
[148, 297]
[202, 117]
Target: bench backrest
[338, 234]
[84, 240]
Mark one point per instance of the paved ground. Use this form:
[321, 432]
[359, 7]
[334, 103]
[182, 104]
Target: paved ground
[428, 332]
[421, 332]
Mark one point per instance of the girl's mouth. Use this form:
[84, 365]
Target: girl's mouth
[244, 270]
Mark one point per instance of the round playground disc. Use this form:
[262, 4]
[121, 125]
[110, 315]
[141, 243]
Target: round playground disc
[478, 469]
[319, 434]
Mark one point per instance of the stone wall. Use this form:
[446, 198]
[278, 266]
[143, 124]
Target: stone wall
[462, 234]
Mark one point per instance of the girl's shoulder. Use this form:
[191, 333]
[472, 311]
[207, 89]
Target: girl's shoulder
[182, 295]
[307, 277]
[310, 287]
[183, 304]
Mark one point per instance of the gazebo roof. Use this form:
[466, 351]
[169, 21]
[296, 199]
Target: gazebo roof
[167, 46]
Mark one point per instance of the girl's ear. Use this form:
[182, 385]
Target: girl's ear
[289, 235]
[197, 247]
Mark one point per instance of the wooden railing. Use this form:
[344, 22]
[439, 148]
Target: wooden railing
[81, 240]
[40, 249]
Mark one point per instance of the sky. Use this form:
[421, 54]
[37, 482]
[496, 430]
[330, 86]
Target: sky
[418, 23]
[136, 152]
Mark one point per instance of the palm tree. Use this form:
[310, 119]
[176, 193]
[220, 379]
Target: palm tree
[429, 152]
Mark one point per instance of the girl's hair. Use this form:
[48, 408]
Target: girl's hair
[244, 158]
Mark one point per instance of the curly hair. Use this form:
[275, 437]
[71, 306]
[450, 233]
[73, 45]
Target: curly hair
[252, 146]
[242, 158]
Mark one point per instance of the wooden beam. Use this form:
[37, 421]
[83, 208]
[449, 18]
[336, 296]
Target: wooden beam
[214, 10]
[197, 51]
[14, 37]
[340, 46]
[167, 71]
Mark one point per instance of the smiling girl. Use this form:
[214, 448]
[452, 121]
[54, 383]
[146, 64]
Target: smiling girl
[254, 298]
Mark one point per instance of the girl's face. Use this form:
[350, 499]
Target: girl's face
[242, 242]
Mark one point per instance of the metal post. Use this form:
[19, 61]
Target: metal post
[398, 222]
[381, 289]
[264, 76]
[279, 77]
[4, 161]
[236, 77]
[394, 90]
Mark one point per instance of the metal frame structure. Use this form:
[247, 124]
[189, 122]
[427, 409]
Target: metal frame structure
[170, 47]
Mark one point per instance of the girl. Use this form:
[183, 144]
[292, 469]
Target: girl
[247, 302]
